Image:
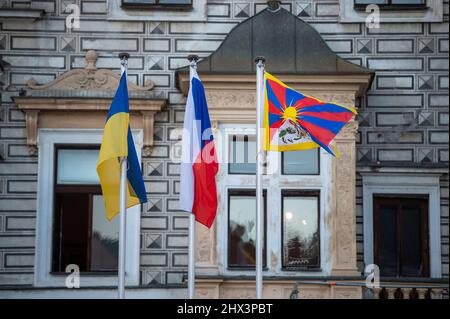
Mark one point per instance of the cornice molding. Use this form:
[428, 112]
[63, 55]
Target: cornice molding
[58, 103]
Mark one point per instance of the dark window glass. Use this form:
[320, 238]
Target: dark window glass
[301, 235]
[105, 238]
[242, 229]
[81, 233]
[242, 154]
[301, 162]
[388, 236]
[401, 236]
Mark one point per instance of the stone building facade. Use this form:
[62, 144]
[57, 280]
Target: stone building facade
[401, 133]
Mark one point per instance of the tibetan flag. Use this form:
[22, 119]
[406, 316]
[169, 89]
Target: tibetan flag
[199, 165]
[295, 121]
[118, 142]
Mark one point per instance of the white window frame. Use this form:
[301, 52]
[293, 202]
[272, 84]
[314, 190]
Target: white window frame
[434, 12]
[47, 138]
[274, 184]
[197, 13]
[392, 183]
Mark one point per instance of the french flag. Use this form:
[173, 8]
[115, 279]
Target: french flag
[199, 165]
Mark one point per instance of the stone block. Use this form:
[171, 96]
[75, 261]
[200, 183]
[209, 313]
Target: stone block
[395, 155]
[395, 46]
[153, 260]
[177, 241]
[395, 64]
[157, 45]
[20, 223]
[154, 223]
[108, 44]
[33, 43]
[395, 100]
[206, 45]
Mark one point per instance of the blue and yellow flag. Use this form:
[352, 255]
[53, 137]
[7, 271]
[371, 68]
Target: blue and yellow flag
[118, 142]
[295, 121]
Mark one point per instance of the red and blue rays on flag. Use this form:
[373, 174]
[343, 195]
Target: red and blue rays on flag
[321, 120]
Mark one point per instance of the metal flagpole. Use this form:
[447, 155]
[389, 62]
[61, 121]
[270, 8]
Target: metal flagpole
[191, 254]
[123, 179]
[259, 217]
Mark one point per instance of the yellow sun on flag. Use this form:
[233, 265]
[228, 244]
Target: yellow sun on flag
[290, 113]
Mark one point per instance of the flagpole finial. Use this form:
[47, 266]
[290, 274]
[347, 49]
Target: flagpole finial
[260, 58]
[273, 5]
[124, 59]
[124, 56]
[192, 57]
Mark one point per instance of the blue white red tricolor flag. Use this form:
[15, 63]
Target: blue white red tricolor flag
[295, 121]
[199, 165]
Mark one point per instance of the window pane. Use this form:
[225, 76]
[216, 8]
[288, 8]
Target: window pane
[242, 154]
[301, 241]
[242, 231]
[301, 162]
[411, 238]
[71, 231]
[105, 238]
[387, 240]
[77, 166]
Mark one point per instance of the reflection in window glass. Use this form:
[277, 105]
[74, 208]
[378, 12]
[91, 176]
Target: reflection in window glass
[301, 240]
[242, 154]
[104, 239]
[242, 230]
[77, 166]
[301, 162]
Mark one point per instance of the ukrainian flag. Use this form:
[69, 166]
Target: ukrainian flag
[118, 142]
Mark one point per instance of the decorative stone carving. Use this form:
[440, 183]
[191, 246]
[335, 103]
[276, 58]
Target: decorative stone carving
[344, 234]
[89, 78]
[62, 103]
[346, 292]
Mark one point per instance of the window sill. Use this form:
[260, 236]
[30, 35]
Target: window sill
[244, 268]
[87, 273]
[300, 269]
[178, 7]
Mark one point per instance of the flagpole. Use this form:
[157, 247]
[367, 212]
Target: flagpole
[259, 216]
[123, 178]
[191, 253]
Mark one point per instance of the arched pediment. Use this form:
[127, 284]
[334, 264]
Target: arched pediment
[81, 98]
[89, 78]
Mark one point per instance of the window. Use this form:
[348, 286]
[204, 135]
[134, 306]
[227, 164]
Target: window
[81, 233]
[301, 231]
[394, 4]
[401, 236]
[157, 3]
[242, 228]
[301, 162]
[242, 154]
[393, 11]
